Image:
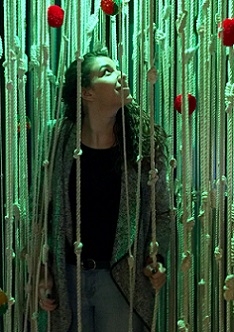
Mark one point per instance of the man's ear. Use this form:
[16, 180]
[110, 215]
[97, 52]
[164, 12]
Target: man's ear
[87, 94]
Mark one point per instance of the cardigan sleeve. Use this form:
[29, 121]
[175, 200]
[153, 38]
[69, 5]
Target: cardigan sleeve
[163, 218]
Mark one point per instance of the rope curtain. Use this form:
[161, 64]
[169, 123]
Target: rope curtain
[167, 48]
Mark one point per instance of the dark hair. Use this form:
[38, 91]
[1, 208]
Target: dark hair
[70, 85]
[132, 115]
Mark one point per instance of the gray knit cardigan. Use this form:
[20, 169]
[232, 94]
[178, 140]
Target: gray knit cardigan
[61, 226]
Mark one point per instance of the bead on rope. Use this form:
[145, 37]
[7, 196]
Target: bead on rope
[110, 7]
[78, 247]
[229, 97]
[226, 32]
[191, 101]
[229, 288]
[55, 16]
[3, 302]
[218, 252]
[186, 261]
[153, 177]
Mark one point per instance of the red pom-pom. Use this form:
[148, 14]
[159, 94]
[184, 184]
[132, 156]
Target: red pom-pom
[3, 302]
[109, 7]
[192, 103]
[55, 16]
[227, 32]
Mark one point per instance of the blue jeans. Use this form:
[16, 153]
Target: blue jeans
[103, 307]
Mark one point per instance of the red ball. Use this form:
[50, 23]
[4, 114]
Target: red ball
[55, 16]
[109, 7]
[191, 100]
[227, 32]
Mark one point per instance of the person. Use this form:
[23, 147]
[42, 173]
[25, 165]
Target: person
[105, 231]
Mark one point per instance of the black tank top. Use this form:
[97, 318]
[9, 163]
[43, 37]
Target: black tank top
[100, 198]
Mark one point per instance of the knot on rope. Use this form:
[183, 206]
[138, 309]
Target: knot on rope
[23, 66]
[66, 38]
[51, 77]
[17, 46]
[186, 261]
[189, 53]
[46, 163]
[35, 315]
[34, 57]
[206, 4]
[16, 211]
[201, 30]
[208, 239]
[77, 153]
[13, 56]
[182, 325]
[218, 18]
[229, 288]
[139, 158]
[131, 262]
[9, 85]
[218, 252]
[153, 249]
[45, 253]
[160, 36]
[204, 196]
[78, 247]
[173, 163]
[229, 97]
[10, 253]
[11, 301]
[190, 224]
[79, 58]
[194, 196]
[152, 75]
[1, 48]
[153, 177]
[202, 283]
[181, 21]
